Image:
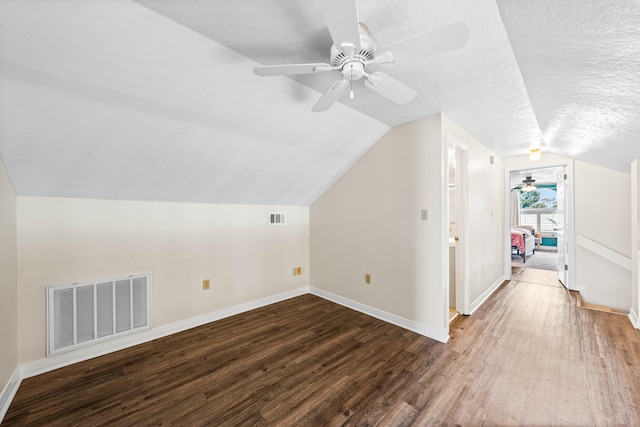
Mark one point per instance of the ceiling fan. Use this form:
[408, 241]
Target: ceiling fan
[527, 184]
[354, 53]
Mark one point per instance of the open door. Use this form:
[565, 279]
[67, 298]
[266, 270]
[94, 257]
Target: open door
[561, 221]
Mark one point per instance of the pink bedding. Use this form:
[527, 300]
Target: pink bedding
[517, 240]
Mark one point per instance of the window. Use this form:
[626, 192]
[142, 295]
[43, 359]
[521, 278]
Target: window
[540, 219]
[539, 209]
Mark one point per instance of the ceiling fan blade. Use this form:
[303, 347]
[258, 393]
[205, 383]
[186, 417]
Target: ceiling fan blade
[384, 58]
[331, 95]
[291, 69]
[390, 88]
[429, 43]
[341, 17]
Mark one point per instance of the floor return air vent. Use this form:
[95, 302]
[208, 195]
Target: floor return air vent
[81, 314]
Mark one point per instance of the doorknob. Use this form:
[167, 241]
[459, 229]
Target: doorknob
[456, 239]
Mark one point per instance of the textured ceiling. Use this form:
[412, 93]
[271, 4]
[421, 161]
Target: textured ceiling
[580, 61]
[156, 99]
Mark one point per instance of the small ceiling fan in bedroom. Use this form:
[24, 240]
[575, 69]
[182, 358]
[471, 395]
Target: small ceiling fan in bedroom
[527, 184]
[354, 53]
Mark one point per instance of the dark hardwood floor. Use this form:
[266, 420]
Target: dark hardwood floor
[529, 356]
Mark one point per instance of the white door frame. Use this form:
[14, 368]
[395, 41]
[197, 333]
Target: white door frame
[635, 243]
[569, 215]
[561, 190]
[463, 304]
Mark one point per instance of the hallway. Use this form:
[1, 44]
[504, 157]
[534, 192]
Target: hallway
[552, 363]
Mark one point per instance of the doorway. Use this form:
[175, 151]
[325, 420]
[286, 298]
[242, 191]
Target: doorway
[540, 220]
[457, 196]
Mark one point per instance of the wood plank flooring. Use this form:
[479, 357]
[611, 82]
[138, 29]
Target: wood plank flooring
[528, 356]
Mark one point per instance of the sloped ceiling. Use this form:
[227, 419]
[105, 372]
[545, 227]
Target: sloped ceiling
[580, 62]
[156, 99]
[111, 100]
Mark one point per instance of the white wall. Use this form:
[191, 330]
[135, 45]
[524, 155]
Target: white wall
[8, 280]
[68, 240]
[603, 214]
[369, 222]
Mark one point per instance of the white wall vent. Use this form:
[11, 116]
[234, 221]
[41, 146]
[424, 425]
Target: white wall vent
[277, 218]
[82, 314]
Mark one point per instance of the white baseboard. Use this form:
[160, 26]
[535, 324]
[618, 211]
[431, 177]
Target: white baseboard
[633, 316]
[419, 328]
[485, 295]
[9, 391]
[41, 366]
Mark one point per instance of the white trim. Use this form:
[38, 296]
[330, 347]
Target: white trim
[419, 328]
[463, 287]
[635, 245]
[570, 227]
[603, 251]
[633, 316]
[486, 294]
[41, 366]
[507, 223]
[9, 391]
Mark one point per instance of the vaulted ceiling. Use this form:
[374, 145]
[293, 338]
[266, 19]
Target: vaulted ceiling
[156, 99]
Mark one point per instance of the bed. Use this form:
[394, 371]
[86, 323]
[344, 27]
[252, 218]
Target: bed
[523, 241]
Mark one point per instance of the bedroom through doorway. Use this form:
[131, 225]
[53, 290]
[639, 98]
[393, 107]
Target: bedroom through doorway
[537, 217]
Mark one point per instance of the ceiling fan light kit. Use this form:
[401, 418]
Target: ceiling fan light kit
[354, 52]
[528, 185]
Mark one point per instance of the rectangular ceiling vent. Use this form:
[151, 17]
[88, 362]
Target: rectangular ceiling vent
[277, 218]
[82, 314]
